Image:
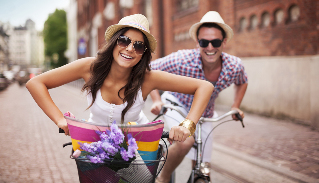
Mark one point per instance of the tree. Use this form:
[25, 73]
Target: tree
[55, 38]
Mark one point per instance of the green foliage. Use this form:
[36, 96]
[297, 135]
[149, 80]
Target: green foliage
[55, 38]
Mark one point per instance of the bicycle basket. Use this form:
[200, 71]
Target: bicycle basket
[113, 171]
[147, 135]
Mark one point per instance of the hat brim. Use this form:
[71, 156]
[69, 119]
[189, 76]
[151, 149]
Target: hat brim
[193, 30]
[111, 30]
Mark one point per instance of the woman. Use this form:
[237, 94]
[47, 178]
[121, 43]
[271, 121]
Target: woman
[118, 80]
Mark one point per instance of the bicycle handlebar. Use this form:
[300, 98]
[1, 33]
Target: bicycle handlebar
[203, 119]
[165, 134]
[61, 130]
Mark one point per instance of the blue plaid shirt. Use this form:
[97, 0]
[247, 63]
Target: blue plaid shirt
[188, 63]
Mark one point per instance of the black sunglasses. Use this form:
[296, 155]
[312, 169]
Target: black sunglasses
[215, 42]
[124, 41]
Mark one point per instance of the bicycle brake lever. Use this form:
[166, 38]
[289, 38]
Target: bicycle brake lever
[61, 130]
[162, 112]
[173, 103]
[240, 119]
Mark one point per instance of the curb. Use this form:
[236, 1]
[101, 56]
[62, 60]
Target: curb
[264, 164]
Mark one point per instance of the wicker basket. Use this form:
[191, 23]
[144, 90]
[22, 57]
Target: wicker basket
[113, 171]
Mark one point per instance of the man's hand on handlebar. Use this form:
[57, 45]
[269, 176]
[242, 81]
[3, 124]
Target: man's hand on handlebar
[241, 113]
[156, 107]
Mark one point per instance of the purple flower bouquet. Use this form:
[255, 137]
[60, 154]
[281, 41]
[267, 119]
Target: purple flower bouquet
[112, 147]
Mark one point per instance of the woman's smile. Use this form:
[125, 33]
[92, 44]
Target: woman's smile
[126, 56]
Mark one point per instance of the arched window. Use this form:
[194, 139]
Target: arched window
[242, 24]
[182, 5]
[265, 19]
[149, 12]
[294, 13]
[253, 22]
[279, 16]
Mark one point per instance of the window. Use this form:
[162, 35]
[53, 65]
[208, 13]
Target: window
[182, 5]
[265, 19]
[149, 12]
[182, 36]
[279, 16]
[253, 22]
[242, 24]
[126, 3]
[109, 11]
[294, 13]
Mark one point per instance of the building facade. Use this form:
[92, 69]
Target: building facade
[276, 40]
[20, 46]
[72, 53]
[26, 45]
[4, 49]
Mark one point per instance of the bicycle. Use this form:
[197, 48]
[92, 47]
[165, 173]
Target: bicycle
[199, 174]
[138, 170]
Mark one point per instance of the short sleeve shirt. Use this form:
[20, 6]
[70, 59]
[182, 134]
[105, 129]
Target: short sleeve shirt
[188, 63]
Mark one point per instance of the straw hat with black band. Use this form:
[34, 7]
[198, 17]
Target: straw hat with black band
[211, 17]
[137, 21]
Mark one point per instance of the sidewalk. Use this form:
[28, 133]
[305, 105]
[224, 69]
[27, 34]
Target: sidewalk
[279, 145]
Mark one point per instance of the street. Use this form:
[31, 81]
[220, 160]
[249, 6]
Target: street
[31, 147]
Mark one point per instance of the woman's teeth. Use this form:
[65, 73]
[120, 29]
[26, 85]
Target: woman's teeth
[126, 56]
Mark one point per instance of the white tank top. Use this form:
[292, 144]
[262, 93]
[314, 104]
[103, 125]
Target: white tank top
[104, 113]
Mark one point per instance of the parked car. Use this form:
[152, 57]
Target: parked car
[4, 82]
[22, 77]
[9, 75]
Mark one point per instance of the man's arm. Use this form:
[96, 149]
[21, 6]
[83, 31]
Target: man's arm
[163, 64]
[240, 91]
[157, 102]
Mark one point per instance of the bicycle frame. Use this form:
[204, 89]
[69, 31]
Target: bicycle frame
[197, 169]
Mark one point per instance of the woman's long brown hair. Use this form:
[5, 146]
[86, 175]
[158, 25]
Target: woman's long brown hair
[101, 67]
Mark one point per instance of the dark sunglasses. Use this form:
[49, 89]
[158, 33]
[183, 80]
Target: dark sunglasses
[215, 42]
[124, 41]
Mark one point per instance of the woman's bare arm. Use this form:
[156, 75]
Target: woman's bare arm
[201, 89]
[39, 85]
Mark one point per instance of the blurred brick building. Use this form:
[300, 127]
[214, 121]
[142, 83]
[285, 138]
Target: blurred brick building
[261, 27]
[276, 39]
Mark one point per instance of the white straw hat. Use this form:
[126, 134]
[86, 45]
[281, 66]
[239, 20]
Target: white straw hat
[211, 17]
[137, 21]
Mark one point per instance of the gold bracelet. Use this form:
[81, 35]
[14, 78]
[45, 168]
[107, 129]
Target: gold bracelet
[189, 124]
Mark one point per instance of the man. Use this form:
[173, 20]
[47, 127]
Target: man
[207, 62]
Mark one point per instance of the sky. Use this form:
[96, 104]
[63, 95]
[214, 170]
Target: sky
[18, 11]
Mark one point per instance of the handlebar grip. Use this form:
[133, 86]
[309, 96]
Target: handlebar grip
[240, 119]
[67, 144]
[165, 134]
[61, 130]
